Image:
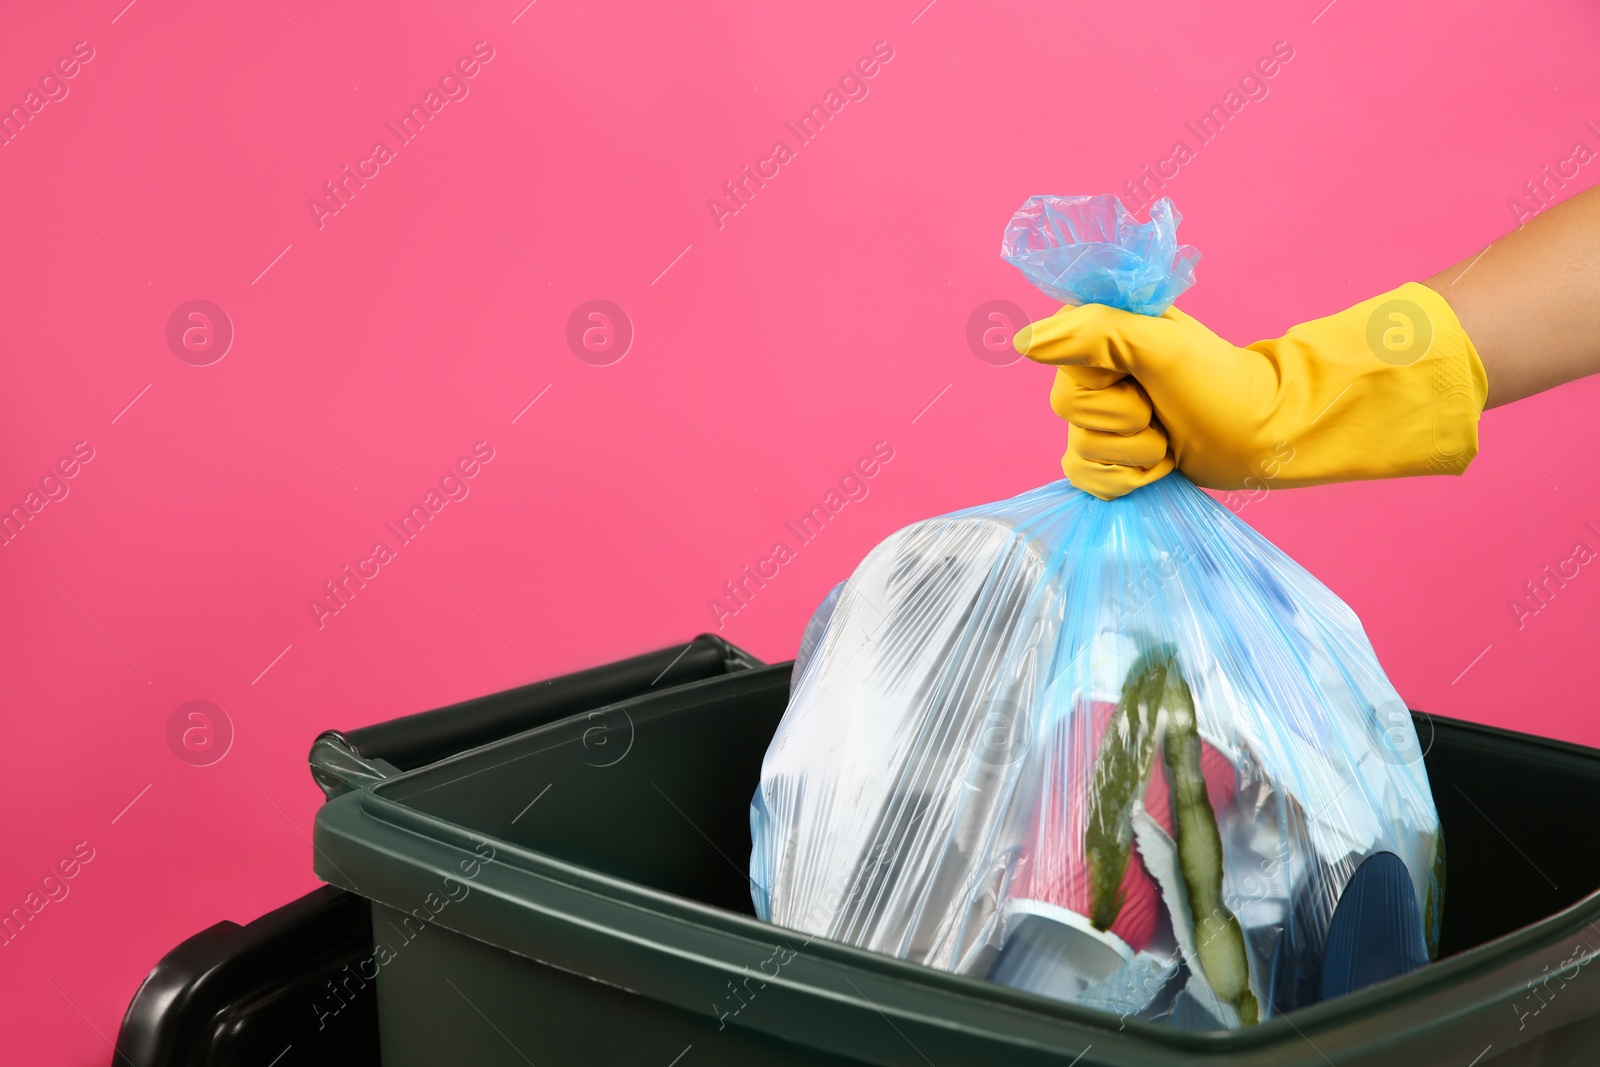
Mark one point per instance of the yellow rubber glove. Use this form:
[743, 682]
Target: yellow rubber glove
[1388, 388]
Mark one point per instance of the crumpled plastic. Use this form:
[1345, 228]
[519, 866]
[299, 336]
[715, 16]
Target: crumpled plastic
[1091, 250]
[1122, 753]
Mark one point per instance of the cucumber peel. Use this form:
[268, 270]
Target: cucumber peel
[1121, 768]
[1219, 939]
[1156, 690]
[1433, 909]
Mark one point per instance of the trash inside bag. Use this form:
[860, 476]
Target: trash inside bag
[1122, 753]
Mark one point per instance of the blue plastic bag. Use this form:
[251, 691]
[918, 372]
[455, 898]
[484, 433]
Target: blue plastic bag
[1124, 753]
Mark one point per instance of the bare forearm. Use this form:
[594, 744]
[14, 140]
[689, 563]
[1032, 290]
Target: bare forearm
[1531, 301]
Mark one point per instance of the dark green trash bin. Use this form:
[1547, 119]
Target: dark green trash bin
[577, 895]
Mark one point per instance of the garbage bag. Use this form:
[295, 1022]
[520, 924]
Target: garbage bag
[1124, 753]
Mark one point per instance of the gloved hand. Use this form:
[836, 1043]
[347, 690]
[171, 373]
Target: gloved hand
[1387, 388]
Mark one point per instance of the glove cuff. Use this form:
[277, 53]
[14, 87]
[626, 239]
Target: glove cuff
[1458, 382]
[1388, 388]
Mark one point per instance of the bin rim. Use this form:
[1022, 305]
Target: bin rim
[1448, 993]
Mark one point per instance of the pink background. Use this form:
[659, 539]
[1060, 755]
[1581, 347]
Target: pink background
[823, 317]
